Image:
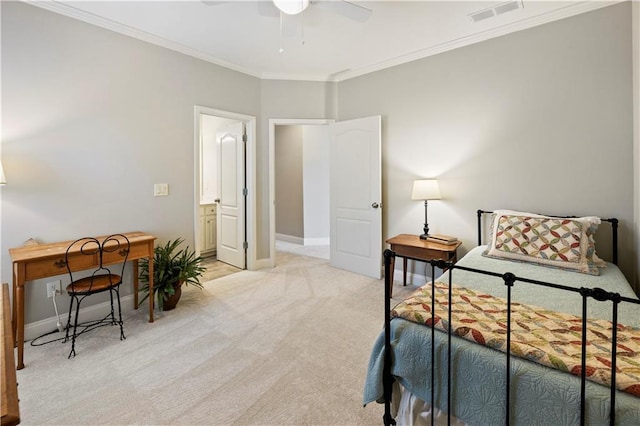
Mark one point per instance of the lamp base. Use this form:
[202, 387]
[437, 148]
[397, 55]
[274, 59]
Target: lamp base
[425, 230]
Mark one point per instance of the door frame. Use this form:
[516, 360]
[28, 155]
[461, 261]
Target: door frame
[250, 170]
[273, 122]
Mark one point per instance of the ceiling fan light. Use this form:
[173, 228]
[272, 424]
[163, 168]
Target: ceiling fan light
[291, 7]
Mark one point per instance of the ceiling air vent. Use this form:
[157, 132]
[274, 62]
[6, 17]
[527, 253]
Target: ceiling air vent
[496, 10]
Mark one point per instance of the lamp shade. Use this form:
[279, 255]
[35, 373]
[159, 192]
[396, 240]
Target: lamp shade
[425, 189]
[3, 179]
[291, 7]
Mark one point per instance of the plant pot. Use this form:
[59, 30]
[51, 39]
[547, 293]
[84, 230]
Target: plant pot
[171, 301]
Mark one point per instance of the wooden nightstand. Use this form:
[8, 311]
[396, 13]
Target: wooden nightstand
[407, 245]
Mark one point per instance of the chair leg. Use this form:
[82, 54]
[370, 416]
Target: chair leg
[66, 335]
[75, 327]
[113, 321]
[113, 316]
[122, 336]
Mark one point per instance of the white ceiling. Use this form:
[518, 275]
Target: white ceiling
[319, 44]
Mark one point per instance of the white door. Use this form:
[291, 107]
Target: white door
[231, 200]
[356, 196]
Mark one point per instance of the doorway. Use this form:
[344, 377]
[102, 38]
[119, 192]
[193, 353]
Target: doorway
[225, 195]
[355, 193]
[273, 123]
[301, 169]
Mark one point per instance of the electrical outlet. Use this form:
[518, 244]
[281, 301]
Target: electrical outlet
[53, 288]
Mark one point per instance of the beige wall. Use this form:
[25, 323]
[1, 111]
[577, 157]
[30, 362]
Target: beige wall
[316, 166]
[538, 120]
[91, 120]
[89, 116]
[286, 99]
[289, 181]
[302, 183]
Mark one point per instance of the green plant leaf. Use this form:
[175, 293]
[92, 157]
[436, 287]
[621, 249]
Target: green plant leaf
[171, 265]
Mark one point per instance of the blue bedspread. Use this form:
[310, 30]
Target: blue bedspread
[540, 395]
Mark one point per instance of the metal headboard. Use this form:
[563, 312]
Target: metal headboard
[614, 232]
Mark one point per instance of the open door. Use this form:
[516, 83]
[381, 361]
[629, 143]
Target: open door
[230, 219]
[356, 196]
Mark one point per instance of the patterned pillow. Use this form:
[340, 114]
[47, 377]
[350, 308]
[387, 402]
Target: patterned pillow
[565, 243]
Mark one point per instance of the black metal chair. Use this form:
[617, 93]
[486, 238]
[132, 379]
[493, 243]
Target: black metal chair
[90, 251]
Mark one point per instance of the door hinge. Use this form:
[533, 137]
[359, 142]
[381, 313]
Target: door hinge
[245, 245]
[245, 191]
[244, 138]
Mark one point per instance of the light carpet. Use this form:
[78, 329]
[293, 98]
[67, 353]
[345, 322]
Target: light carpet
[286, 346]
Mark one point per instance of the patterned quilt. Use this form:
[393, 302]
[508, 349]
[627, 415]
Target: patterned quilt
[549, 338]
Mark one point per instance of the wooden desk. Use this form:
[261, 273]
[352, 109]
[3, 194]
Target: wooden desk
[47, 260]
[407, 245]
[10, 407]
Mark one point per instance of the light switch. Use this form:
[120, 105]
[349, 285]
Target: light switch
[160, 189]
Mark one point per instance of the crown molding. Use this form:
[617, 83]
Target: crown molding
[294, 77]
[72, 12]
[569, 10]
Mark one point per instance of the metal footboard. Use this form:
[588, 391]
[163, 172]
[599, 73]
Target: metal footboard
[509, 280]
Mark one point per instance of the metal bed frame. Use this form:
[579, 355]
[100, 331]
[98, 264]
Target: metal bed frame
[509, 280]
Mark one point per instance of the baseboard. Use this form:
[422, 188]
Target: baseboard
[302, 241]
[289, 239]
[316, 241]
[262, 264]
[415, 279]
[38, 328]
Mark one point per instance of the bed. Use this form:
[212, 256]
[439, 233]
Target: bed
[511, 371]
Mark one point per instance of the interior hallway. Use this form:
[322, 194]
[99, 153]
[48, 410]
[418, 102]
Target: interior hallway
[216, 269]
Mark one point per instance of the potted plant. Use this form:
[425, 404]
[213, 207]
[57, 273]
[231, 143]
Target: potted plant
[172, 267]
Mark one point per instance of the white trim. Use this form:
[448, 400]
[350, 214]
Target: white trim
[290, 239]
[99, 21]
[413, 278]
[316, 241]
[302, 241]
[88, 313]
[572, 8]
[262, 264]
[250, 170]
[273, 122]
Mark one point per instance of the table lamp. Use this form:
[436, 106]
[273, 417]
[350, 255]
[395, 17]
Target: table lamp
[425, 189]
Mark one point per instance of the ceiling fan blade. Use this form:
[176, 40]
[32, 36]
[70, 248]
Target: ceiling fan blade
[345, 8]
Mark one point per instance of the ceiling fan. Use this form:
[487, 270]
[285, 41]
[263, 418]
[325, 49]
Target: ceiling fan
[290, 13]
[294, 7]
[340, 7]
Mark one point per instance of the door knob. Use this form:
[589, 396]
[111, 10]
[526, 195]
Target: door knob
[217, 201]
[375, 205]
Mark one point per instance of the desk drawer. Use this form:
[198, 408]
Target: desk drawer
[136, 251]
[56, 266]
